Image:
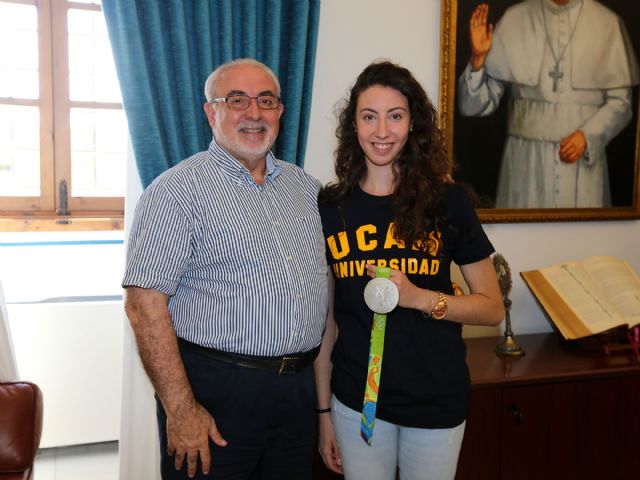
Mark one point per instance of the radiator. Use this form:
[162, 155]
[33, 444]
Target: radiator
[73, 350]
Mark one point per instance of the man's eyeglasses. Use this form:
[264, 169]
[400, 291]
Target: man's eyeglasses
[242, 102]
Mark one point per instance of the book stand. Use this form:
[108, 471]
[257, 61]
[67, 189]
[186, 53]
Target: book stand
[609, 342]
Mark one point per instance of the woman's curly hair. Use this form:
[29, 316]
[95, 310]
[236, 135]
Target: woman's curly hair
[421, 168]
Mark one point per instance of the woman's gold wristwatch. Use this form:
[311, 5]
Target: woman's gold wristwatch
[439, 310]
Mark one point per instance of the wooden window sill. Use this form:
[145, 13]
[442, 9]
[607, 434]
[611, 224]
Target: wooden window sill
[57, 223]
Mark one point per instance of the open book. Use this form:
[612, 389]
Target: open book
[588, 297]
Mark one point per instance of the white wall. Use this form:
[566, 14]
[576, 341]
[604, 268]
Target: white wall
[73, 352]
[355, 32]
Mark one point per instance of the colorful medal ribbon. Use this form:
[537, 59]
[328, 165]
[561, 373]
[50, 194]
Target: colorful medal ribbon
[375, 367]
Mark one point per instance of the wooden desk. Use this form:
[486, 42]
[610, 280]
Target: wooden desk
[559, 412]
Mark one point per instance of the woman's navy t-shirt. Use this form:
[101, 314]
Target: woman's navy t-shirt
[424, 381]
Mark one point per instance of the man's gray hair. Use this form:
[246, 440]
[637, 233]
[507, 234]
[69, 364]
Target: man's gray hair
[212, 80]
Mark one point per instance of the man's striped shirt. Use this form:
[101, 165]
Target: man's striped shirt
[243, 264]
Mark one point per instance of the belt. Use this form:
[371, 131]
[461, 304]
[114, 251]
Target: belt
[286, 364]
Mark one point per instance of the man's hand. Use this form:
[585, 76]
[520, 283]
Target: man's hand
[572, 148]
[189, 425]
[188, 433]
[481, 36]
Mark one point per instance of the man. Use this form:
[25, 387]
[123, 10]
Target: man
[570, 68]
[227, 296]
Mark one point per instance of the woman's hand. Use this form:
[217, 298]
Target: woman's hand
[410, 295]
[328, 445]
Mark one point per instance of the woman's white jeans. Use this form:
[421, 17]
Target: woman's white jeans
[420, 453]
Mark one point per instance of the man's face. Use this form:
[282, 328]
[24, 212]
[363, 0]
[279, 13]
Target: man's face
[245, 134]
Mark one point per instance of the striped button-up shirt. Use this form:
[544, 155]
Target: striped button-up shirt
[243, 264]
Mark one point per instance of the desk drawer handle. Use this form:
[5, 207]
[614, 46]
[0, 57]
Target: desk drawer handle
[517, 413]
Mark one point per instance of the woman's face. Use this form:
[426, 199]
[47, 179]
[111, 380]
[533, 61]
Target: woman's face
[382, 122]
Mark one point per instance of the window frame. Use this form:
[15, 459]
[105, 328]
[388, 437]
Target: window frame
[46, 211]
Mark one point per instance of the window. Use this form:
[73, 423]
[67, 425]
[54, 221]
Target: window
[63, 132]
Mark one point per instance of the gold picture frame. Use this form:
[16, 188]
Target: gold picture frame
[460, 133]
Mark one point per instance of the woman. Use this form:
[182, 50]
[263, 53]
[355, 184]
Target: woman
[392, 206]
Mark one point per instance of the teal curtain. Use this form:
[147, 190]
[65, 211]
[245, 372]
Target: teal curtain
[165, 50]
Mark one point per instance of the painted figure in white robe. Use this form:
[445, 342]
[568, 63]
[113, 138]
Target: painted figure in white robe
[570, 67]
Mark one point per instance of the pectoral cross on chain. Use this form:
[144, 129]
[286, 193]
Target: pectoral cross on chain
[556, 75]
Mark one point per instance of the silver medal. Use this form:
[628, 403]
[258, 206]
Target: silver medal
[381, 295]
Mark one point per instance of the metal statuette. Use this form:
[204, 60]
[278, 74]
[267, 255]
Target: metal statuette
[508, 344]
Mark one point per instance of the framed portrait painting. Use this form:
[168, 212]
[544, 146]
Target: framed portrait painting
[539, 106]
